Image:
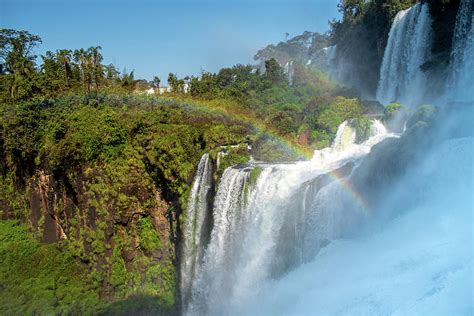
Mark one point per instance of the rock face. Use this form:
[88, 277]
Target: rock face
[119, 227]
[304, 137]
[44, 197]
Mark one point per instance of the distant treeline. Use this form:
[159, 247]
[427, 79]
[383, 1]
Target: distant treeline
[82, 71]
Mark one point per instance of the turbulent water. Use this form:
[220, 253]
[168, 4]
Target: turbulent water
[269, 219]
[305, 238]
[420, 263]
[408, 48]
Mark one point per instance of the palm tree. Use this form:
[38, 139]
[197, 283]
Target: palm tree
[80, 59]
[63, 57]
[95, 60]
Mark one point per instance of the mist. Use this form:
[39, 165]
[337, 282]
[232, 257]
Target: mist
[417, 262]
[392, 233]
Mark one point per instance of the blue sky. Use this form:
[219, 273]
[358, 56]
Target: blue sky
[158, 37]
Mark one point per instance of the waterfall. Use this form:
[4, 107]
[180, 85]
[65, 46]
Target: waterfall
[196, 225]
[287, 238]
[289, 70]
[215, 280]
[462, 56]
[267, 225]
[345, 136]
[420, 263]
[331, 54]
[408, 48]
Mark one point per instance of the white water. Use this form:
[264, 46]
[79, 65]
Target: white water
[294, 245]
[331, 54]
[301, 240]
[420, 263]
[289, 70]
[408, 48]
[462, 57]
[417, 262]
[264, 229]
[196, 225]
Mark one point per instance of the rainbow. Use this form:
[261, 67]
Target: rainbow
[349, 187]
[231, 110]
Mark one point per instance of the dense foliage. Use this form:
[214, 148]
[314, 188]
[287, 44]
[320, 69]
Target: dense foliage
[101, 171]
[54, 284]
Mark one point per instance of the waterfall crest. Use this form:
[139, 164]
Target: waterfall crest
[196, 225]
[288, 209]
[408, 48]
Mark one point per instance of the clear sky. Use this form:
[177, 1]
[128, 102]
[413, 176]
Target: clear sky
[162, 36]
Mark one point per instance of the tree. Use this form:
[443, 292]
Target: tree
[111, 72]
[273, 71]
[64, 57]
[128, 80]
[95, 63]
[51, 79]
[173, 82]
[351, 9]
[156, 82]
[80, 57]
[18, 60]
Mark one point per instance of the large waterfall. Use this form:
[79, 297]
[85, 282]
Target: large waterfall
[419, 263]
[269, 218]
[462, 55]
[408, 48]
[306, 238]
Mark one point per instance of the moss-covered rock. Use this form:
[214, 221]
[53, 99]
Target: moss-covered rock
[268, 148]
[363, 127]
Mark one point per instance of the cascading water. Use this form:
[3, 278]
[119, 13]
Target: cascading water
[266, 226]
[289, 70]
[196, 226]
[302, 239]
[420, 263]
[408, 48]
[462, 56]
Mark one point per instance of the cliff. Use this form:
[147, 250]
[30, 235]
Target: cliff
[101, 187]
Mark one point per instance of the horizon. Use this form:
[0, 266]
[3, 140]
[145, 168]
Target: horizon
[164, 44]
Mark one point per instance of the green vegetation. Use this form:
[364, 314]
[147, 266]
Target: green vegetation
[38, 279]
[101, 171]
[254, 174]
[251, 181]
[149, 240]
[296, 49]
[233, 157]
[362, 127]
[266, 101]
[392, 108]
[113, 187]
